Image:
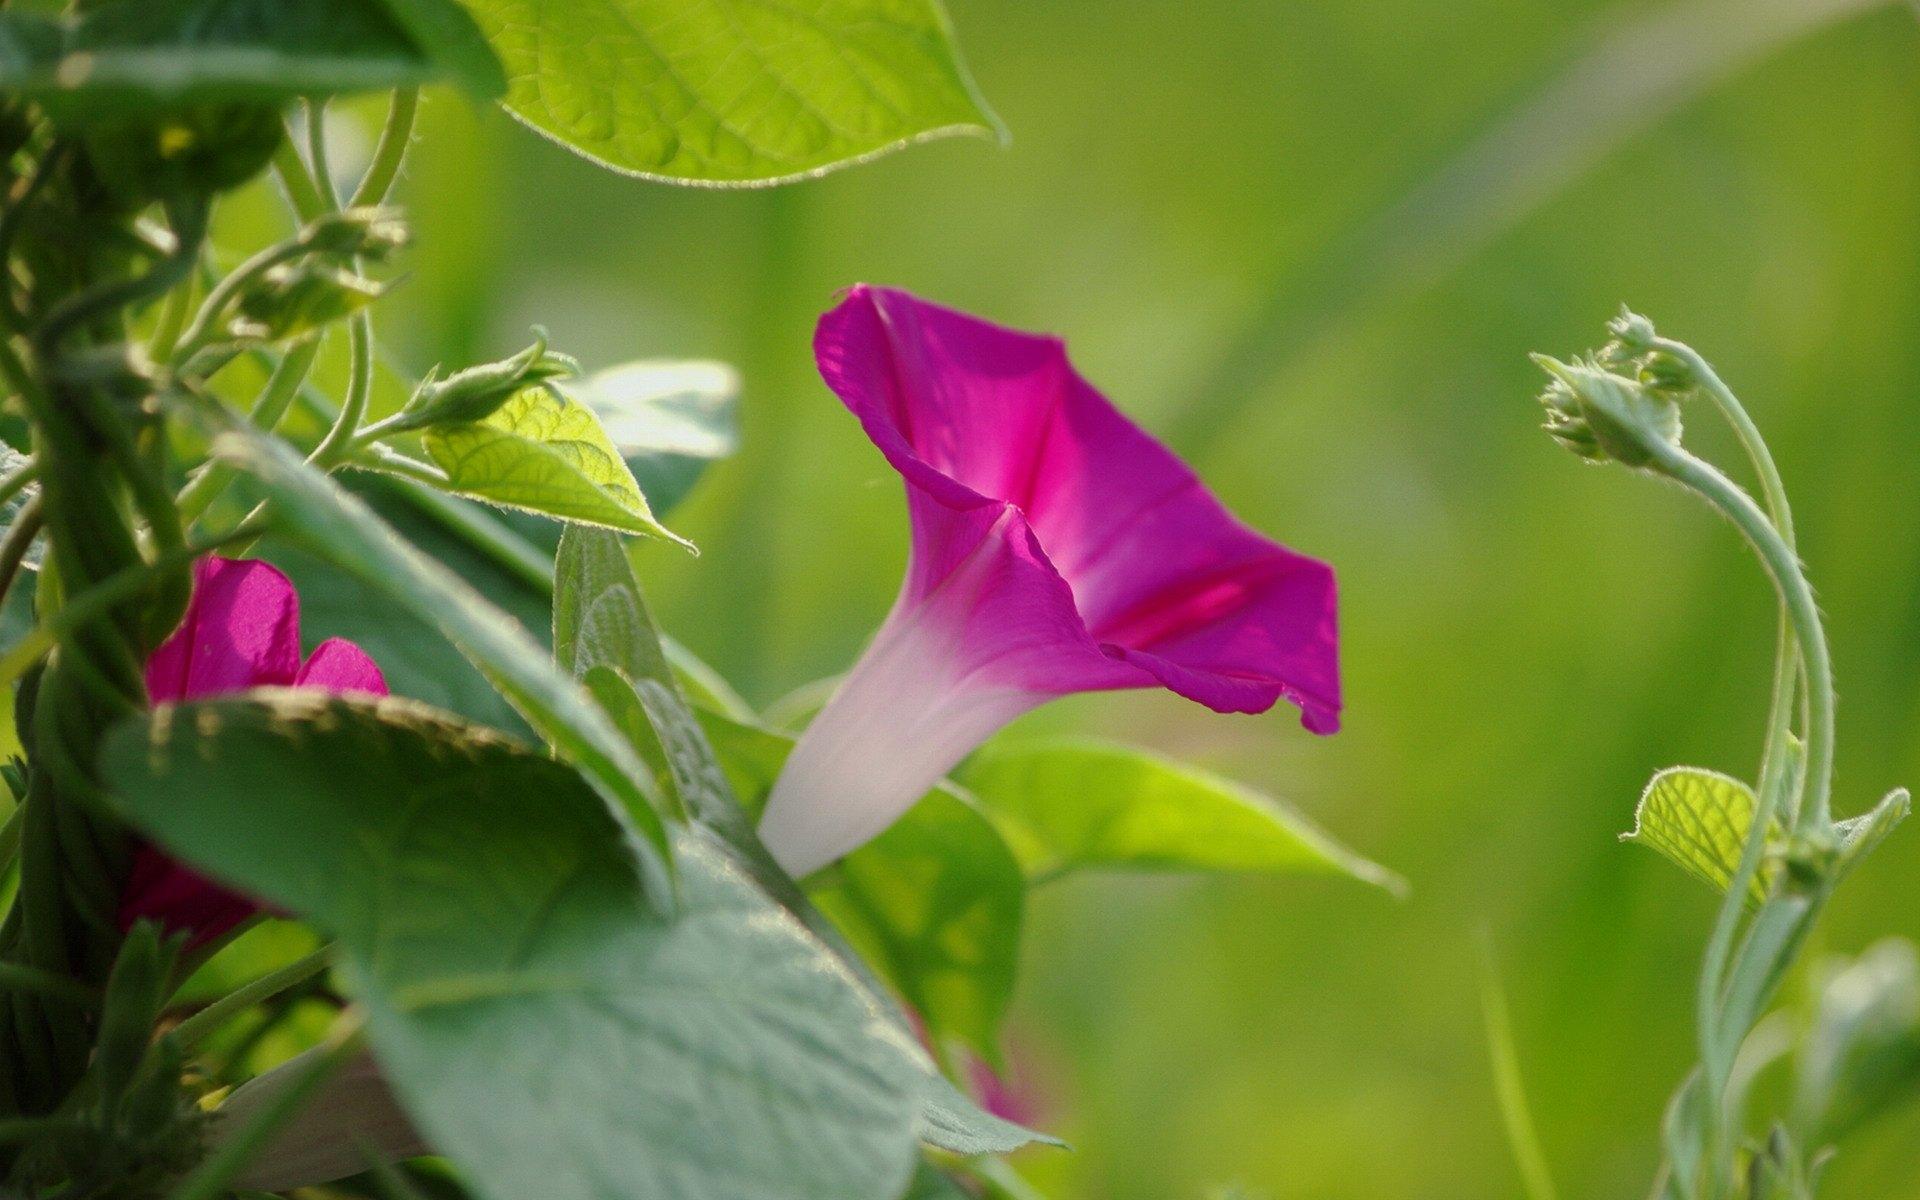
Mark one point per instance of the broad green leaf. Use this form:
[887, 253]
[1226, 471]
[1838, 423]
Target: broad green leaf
[1699, 819]
[545, 1025]
[337, 527]
[936, 901]
[669, 420]
[545, 452]
[1066, 805]
[726, 92]
[128, 58]
[602, 629]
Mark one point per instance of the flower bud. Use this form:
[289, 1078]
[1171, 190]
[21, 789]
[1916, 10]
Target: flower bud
[293, 301]
[1600, 415]
[372, 233]
[1633, 332]
[474, 394]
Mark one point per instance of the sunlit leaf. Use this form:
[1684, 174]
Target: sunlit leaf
[720, 92]
[1068, 805]
[546, 1027]
[1699, 819]
[545, 452]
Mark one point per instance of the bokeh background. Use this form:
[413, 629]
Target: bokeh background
[1311, 243]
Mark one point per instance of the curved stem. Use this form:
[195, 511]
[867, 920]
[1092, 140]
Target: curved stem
[19, 480]
[303, 195]
[14, 547]
[391, 150]
[316, 111]
[353, 408]
[215, 306]
[1789, 672]
[1783, 566]
[283, 386]
[196, 1027]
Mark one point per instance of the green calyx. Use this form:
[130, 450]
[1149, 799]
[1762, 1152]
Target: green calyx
[1603, 416]
[478, 392]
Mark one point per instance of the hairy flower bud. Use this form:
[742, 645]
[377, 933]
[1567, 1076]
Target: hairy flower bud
[474, 394]
[372, 233]
[1600, 415]
[295, 300]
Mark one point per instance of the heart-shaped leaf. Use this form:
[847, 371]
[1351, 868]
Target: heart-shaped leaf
[721, 92]
[543, 1023]
[545, 452]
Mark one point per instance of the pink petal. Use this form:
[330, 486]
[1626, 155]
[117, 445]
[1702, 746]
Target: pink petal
[241, 630]
[338, 666]
[160, 889]
[1158, 578]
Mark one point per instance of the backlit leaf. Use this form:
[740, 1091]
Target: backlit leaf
[1699, 819]
[1067, 805]
[733, 92]
[544, 451]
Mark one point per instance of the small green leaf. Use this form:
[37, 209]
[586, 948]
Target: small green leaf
[719, 92]
[545, 452]
[1699, 819]
[1067, 805]
[669, 420]
[336, 526]
[546, 1027]
[126, 59]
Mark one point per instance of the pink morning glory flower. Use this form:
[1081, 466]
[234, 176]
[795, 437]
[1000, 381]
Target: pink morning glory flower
[1056, 548]
[242, 630]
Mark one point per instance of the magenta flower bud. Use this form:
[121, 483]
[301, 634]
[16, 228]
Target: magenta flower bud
[242, 630]
[1056, 548]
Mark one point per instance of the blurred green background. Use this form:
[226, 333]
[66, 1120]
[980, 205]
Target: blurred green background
[1209, 199]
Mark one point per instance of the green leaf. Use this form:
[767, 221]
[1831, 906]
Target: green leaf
[721, 92]
[1068, 804]
[669, 420]
[952, 964]
[334, 525]
[1699, 819]
[545, 452]
[128, 58]
[416, 660]
[549, 1030]
[937, 900]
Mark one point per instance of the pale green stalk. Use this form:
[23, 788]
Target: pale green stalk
[190, 1031]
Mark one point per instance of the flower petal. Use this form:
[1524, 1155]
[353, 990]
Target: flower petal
[159, 888]
[338, 666]
[241, 630]
[1157, 575]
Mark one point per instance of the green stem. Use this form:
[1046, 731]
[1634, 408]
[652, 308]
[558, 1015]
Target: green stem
[191, 1031]
[18, 540]
[317, 153]
[391, 150]
[205, 322]
[353, 407]
[283, 385]
[1788, 673]
[302, 193]
[1783, 566]
[18, 481]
